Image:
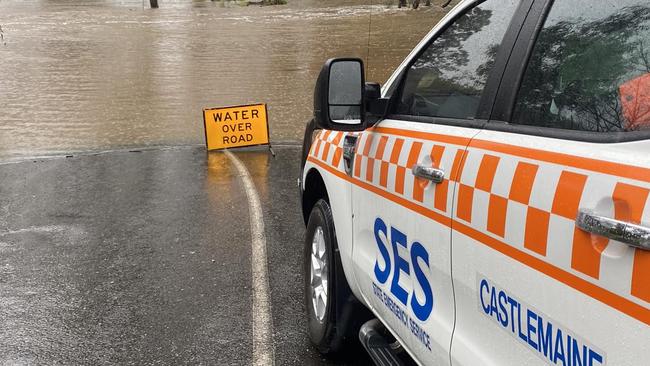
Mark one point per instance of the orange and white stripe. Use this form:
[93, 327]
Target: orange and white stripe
[521, 202]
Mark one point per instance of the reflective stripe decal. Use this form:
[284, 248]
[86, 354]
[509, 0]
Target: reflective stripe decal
[357, 166]
[640, 275]
[442, 189]
[338, 150]
[381, 148]
[522, 182]
[618, 302]
[567, 194]
[486, 173]
[317, 147]
[418, 184]
[629, 202]
[594, 165]
[326, 146]
[465, 202]
[400, 175]
[397, 150]
[536, 232]
[457, 167]
[370, 169]
[586, 252]
[497, 211]
[383, 181]
[383, 172]
[414, 154]
[629, 205]
[524, 221]
[368, 144]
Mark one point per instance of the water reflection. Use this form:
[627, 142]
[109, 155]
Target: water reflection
[564, 88]
[219, 169]
[219, 166]
[448, 78]
[220, 179]
[107, 74]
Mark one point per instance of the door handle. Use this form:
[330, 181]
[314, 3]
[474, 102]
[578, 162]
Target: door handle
[429, 173]
[626, 232]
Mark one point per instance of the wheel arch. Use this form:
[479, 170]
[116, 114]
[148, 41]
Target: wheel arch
[349, 312]
[315, 189]
[318, 184]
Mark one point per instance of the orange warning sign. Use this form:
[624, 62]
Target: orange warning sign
[238, 126]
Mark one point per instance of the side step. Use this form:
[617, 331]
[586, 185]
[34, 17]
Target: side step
[378, 347]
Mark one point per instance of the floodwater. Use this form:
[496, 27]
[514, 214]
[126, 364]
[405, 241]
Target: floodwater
[101, 75]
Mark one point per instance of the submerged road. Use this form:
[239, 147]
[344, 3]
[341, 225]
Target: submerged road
[145, 258]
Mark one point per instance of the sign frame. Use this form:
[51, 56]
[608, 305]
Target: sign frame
[268, 127]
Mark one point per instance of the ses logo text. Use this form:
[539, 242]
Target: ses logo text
[415, 266]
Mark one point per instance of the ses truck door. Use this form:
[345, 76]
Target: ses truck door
[402, 223]
[554, 200]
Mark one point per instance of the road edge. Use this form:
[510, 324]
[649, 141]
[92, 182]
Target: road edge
[263, 352]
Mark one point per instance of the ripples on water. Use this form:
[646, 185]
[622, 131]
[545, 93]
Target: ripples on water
[96, 75]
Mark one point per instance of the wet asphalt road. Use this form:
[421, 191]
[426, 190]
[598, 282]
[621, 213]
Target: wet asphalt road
[144, 258]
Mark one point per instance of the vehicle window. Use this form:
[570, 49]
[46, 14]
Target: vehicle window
[590, 68]
[448, 78]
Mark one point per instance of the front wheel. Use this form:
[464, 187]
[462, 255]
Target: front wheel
[328, 298]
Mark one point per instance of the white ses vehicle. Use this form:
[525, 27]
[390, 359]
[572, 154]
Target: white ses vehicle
[490, 205]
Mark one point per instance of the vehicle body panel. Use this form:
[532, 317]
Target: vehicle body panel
[508, 227]
[325, 159]
[385, 191]
[521, 236]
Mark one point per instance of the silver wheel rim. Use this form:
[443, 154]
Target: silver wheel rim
[319, 274]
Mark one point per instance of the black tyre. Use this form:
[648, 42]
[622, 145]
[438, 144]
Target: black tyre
[333, 314]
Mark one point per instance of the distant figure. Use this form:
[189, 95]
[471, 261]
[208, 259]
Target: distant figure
[415, 4]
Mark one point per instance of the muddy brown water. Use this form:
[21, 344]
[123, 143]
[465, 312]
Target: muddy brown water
[101, 75]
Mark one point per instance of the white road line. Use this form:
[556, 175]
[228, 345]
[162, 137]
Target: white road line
[261, 312]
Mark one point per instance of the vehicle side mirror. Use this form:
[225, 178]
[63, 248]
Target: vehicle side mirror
[339, 100]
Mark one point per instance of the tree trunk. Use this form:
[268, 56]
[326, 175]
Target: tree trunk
[416, 4]
[154, 4]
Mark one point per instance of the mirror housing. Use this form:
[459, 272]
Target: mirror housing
[339, 95]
